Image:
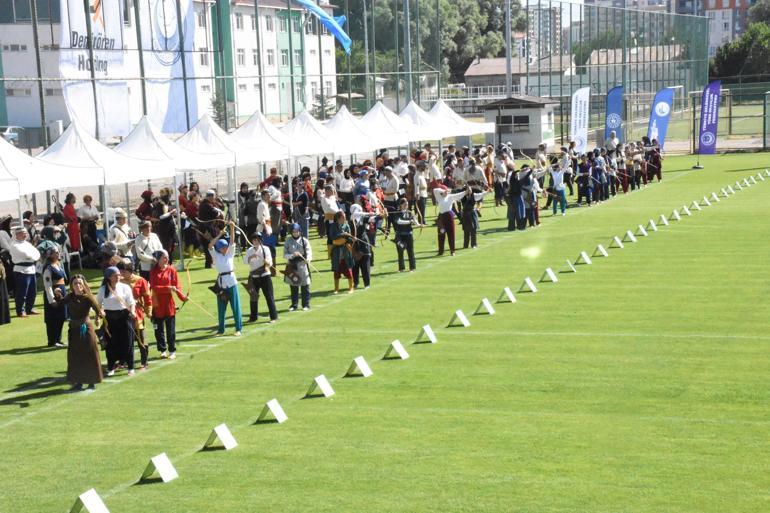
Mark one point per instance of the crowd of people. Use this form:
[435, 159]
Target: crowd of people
[353, 208]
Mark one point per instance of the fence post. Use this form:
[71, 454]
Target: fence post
[765, 120]
[694, 126]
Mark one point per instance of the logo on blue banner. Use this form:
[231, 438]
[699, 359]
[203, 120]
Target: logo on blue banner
[660, 115]
[614, 113]
[709, 118]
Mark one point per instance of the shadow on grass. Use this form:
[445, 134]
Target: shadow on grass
[148, 481]
[259, 422]
[26, 400]
[46, 382]
[28, 350]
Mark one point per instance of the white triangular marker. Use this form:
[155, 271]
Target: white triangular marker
[459, 316]
[395, 351]
[652, 226]
[663, 220]
[675, 216]
[641, 231]
[714, 197]
[162, 465]
[91, 502]
[738, 186]
[686, 211]
[528, 286]
[724, 193]
[600, 251]
[570, 268]
[746, 183]
[549, 275]
[616, 242]
[695, 206]
[359, 368]
[272, 411]
[583, 258]
[730, 189]
[761, 176]
[506, 296]
[753, 180]
[223, 435]
[767, 172]
[705, 202]
[485, 307]
[322, 385]
[426, 333]
[629, 236]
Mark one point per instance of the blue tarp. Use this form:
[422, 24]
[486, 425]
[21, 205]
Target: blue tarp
[334, 25]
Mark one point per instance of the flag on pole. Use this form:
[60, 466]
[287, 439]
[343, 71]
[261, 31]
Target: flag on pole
[660, 115]
[579, 119]
[334, 25]
[709, 118]
[613, 121]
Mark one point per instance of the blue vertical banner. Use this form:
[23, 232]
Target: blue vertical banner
[613, 121]
[660, 115]
[709, 118]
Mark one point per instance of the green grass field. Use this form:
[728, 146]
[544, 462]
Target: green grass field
[638, 384]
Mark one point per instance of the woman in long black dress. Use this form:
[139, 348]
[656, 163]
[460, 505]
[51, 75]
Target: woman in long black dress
[83, 361]
[5, 310]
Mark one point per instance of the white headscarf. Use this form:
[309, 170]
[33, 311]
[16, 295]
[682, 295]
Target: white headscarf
[356, 213]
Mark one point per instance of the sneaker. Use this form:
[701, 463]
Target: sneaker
[237, 333]
[77, 387]
[130, 373]
[59, 345]
[110, 373]
[144, 367]
[563, 213]
[164, 355]
[305, 308]
[172, 356]
[34, 312]
[272, 321]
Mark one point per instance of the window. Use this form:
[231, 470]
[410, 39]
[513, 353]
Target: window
[726, 25]
[271, 57]
[241, 56]
[253, 22]
[284, 57]
[254, 57]
[521, 124]
[205, 88]
[242, 87]
[256, 88]
[201, 17]
[296, 24]
[269, 23]
[328, 87]
[298, 57]
[324, 31]
[311, 27]
[314, 90]
[328, 53]
[204, 56]
[299, 93]
[239, 21]
[312, 51]
[272, 86]
[283, 25]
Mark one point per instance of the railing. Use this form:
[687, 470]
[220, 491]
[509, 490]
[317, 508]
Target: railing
[463, 92]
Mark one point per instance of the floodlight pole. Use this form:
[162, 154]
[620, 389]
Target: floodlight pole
[508, 56]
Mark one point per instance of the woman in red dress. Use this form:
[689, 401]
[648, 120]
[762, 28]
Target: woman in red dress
[164, 283]
[71, 219]
[140, 288]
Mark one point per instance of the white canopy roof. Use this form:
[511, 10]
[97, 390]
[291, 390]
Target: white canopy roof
[207, 137]
[387, 129]
[350, 133]
[99, 164]
[147, 142]
[308, 136]
[10, 186]
[426, 128]
[453, 122]
[257, 132]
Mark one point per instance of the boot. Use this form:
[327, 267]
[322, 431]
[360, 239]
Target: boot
[254, 311]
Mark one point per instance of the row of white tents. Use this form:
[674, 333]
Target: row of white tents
[77, 159]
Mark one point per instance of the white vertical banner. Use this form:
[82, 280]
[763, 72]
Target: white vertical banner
[578, 128]
[111, 103]
[161, 44]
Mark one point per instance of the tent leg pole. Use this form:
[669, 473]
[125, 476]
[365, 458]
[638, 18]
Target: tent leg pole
[18, 209]
[128, 199]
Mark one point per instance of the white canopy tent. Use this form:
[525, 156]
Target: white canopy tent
[454, 124]
[350, 133]
[308, 136]
[10, 185]
[259, 134]
[100, 165]
[207, 137]
[147, 142]
[387, 129]
[426, 127]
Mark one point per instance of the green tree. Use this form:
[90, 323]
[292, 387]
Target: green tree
[760, 12]
[747, 55]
